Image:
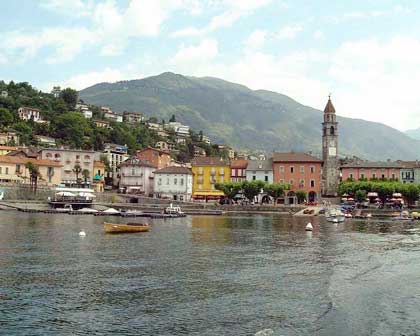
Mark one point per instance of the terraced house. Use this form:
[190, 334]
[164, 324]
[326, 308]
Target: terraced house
[208, 171]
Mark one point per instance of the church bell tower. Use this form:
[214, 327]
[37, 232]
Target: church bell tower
[330, 171]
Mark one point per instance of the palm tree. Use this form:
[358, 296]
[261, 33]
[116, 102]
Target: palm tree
[34, 175]
[85, 174]
[77, 170]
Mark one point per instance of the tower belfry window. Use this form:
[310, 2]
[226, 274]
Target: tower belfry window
[332, 131]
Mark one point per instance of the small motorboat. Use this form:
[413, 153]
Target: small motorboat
[335, 216]
[126, 228]
[173, 210]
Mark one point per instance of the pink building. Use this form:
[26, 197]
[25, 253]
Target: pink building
[367, 170]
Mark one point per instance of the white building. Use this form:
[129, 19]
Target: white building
[180, 129]
[84, 109]
[174, 183]
[45, 141]
[260, 170]
[206, 139]
[70, 159]
[133, 117]
[113, 116]
[137, 176]
[30, 113]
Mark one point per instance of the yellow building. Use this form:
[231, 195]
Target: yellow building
[208, 171]
[13, 170]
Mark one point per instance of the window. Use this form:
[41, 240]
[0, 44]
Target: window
[87, 157]
[383, 176]
[281, 169]
[160, 181]
[200, 187]
[181, 181]
[167, 181]
[302, 183]
[77, 157]
[312, 183]
[302, 169]
[266, 178]
[175, 181]
[292, 169]
[133, 171]
[233, 172]
[291, 182]
[351, 176]
[7, 171]
[254, 178]
[393, 176]
[1, 170]
[373, 175]
[362, 176]
[48, 155]
[18, 169]
[281, 181]
[332, 131]
[312, 169]
[57, 156]
[222, 179]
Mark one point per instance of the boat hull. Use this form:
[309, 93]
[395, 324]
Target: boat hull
[124, 228]
[337, 219]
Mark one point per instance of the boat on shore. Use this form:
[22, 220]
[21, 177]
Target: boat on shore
[335, 216]
[126, 228]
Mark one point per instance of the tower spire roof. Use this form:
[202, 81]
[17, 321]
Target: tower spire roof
[329, 108]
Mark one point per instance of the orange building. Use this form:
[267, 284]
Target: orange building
[302, 171]
[367, 170]
[154, 157]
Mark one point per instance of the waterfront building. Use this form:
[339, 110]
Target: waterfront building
[207, 171]
[133, 117]
[330, 170]
[260, 170]
[301, 171]
[30, 113]
[13, 170]
[9, 138]
[137, 176]
[98, 176]
[155, 157]
[174, 183]
[238, 170]
[71, 160]
[116, 154]
[367, 170]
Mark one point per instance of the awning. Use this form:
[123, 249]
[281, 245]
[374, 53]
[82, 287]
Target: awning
[372, 194]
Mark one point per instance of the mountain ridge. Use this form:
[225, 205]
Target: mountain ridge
[232, 113]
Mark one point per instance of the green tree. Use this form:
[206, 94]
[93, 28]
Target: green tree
[276, 190]
[252, 188]
[410, 192]
[360, 195]
[230, 189]
[173, 119]
[6, 117]
[69, 96]
[301, 195]
[71, 127]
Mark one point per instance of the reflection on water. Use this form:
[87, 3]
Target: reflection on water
[233, 275]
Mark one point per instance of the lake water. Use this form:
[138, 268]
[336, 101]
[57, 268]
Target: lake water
[233, 275]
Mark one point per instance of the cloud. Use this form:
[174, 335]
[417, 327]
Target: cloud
[289, 32]
[232, 11]
[256, 40]
[206, 51]
[85, 80]
[68, 7]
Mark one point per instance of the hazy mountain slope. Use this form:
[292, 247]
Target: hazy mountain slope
[233, 114]
[413, 133]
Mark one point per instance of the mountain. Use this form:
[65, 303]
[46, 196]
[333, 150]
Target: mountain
[413, 133]
[258, 120]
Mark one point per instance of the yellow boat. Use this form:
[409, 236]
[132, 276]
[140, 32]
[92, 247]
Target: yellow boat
[125, 228]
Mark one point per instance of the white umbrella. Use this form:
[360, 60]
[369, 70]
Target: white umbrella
[86, 194]
[111, 211]
[65, 193]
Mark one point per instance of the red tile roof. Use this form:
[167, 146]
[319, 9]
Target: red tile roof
[329, 108]
[209, 161]
[295, 157]
[241, 164]
[174, 170]
[24, 160]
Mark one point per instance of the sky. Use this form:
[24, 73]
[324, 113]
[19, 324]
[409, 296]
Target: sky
[366, 53]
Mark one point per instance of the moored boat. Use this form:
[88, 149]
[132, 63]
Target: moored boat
[335, 216]
[126, 228]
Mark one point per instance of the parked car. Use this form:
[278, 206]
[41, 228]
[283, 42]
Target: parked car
[108, 187]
